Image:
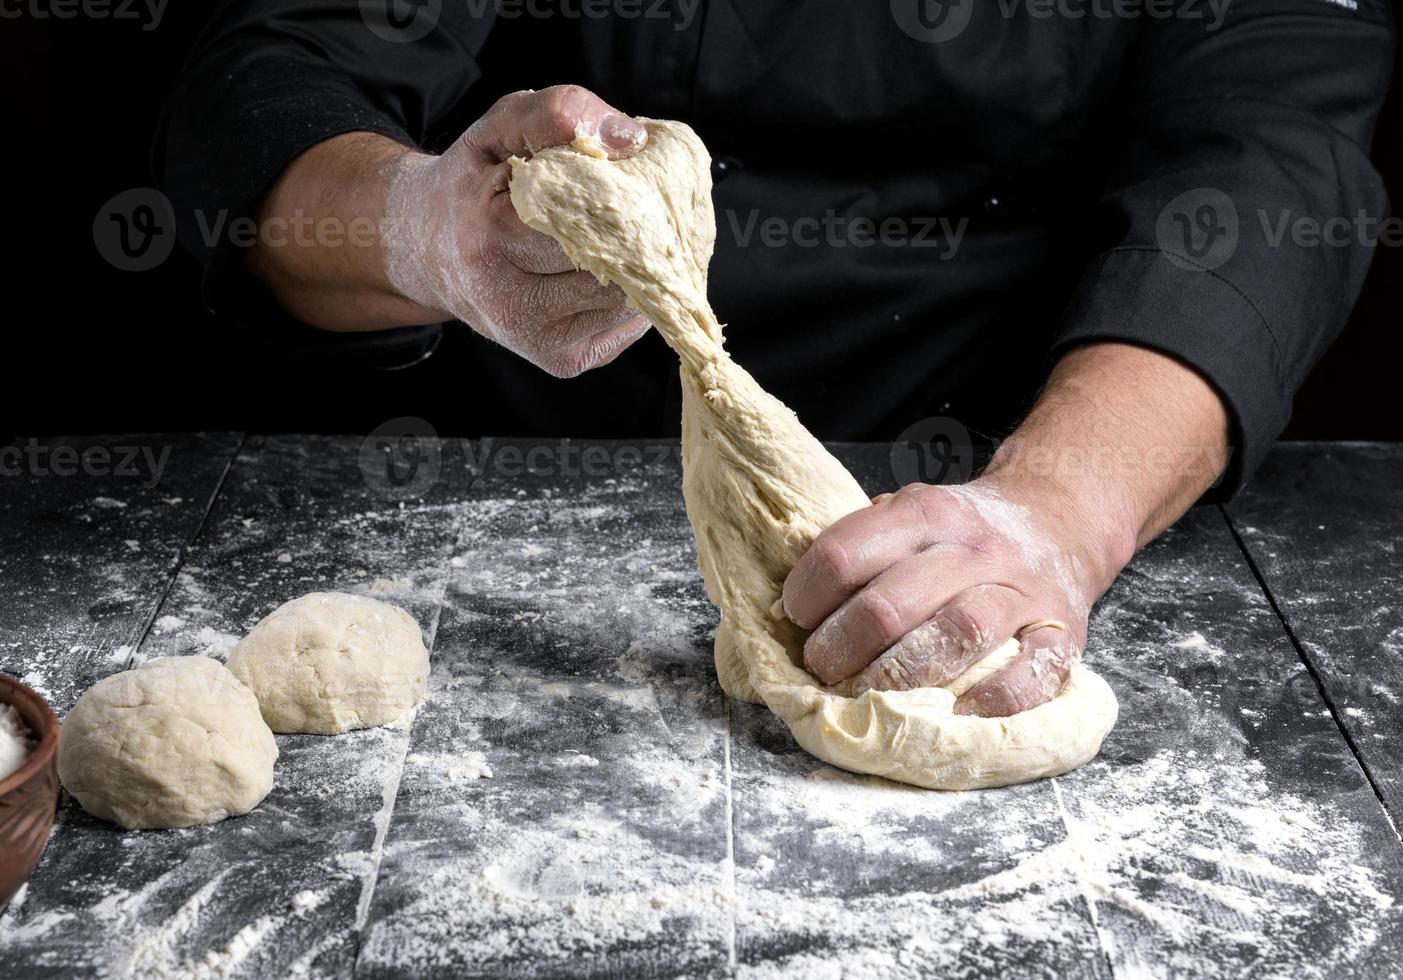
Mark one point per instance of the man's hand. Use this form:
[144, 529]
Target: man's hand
[450, 244]
[454, 243]
[929, 580]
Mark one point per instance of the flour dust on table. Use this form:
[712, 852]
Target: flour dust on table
[759, 487]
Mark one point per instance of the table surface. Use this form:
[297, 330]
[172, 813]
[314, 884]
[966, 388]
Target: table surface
[577, 798]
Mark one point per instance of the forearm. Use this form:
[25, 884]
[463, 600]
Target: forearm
[1121, 442]
[321, 247]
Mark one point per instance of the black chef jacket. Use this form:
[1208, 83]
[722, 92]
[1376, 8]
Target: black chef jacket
[1031, 162]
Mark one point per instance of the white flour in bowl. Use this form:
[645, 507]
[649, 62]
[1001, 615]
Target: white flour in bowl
[15, 744]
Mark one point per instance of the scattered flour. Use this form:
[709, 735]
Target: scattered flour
[15, 740]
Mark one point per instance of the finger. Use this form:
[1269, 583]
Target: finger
[883, 611]
[565, 294]
[1032, 678]
[859, 547]
[598, 348]
[521, 123]
[581, 328]
[965, 630]
[605, 346]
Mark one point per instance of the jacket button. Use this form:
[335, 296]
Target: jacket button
[722, 167]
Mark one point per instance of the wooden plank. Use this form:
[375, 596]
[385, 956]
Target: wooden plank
[1324, 525]
[563, 812]
[88, 549]
[1225, 830]
[276, 892]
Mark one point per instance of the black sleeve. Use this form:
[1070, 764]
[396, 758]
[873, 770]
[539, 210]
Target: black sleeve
[1229, 130]
[269, 79]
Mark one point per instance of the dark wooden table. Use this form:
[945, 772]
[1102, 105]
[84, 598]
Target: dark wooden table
[577, 798]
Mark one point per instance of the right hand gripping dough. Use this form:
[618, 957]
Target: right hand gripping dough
[329, 662]
[175, 743]
[759, 487]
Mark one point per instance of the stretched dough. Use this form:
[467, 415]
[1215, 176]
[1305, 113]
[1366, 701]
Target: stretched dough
[759, 487]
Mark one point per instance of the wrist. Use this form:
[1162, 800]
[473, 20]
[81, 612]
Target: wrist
[411, 233]
[1089, 520]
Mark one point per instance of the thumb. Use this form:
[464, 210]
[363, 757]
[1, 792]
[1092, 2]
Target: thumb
[522, 123]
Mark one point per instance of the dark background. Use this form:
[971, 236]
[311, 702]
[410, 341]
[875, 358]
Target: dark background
[88, 348]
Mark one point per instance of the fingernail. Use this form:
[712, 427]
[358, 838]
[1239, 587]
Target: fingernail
[621, 133]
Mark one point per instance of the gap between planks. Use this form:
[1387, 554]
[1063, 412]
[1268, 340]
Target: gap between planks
[184, 551]
[731, 959]
[1305, 660]
[390, 793]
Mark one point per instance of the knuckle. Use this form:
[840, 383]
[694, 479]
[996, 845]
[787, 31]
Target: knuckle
[893, 673]
[971, 624]
[878, 612]
[564, 103]
[927, 504]
[831, 561]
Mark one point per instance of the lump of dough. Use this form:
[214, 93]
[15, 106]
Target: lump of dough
[175, 743]
[330, 662]
[759, 487]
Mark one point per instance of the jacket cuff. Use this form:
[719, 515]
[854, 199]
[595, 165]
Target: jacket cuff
[1140, 296]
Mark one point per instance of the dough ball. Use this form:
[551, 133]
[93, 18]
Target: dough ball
[175, 743]
[330, 662]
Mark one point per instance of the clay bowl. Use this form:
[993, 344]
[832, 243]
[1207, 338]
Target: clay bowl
[29, 795]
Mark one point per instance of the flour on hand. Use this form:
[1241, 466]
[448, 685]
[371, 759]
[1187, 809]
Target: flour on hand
[759, 487]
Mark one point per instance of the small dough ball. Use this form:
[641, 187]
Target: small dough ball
[330, 662]
[175, 743]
